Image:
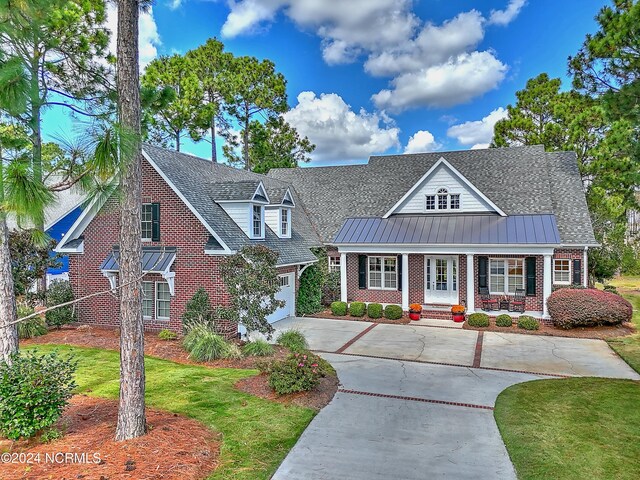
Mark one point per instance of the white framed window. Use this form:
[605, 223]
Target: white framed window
[562, 271]
[334, 264]
[430, 202]
[147, 222]
[284, 222]
[147, 300]
[383, 273]
[505, 275]
[257, 221]
[454, 201]
[163, 301]
[283, 281]
[443, 199]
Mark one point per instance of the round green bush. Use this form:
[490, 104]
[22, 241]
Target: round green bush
[294, 340]
[478, 319]
[299, 372]
[258, 348]
[60, 292]
[204, 345]
[374, 310]
[504, 320]
[339, 309]
[393, 312]
[528, 322]
[34, 327]
[167, 335]
[357, 309]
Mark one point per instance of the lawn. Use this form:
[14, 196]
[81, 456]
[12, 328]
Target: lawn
[257, 434]
[572, 428]
[629, 347]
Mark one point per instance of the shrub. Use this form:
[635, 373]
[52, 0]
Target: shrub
[258, 348]
[294, 340]
[589, 307]
[299, 372]
[167, 335]
[331, 288]
[34, 327]
[310, 291]
[478, 319]
[60, 292]
[528, 322]
[339, 309]
[374, 310]
[611, 289]
[197, 310]
[357, 309]
[34, 390]
[204, 345]
[393, 312]
[50, 435]
[504, 320]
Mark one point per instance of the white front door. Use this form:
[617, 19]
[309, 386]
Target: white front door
[287, 292]
[441, 279]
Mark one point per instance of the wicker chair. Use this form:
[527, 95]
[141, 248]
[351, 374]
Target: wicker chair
[488, 303]
[517, 304]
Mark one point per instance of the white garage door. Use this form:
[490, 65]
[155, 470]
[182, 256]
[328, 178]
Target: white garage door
[287, 291]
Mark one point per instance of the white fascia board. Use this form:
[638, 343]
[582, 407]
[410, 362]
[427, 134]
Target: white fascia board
[259, 189]
[78, 249]
[185, 201]
[297, 263]
[580, 246]
[221, 253]
[288, 194]
[451, 249]
[79, 226]
[53, 222]
[417, 185]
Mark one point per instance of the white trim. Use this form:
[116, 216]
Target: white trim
[553, 271]
[184, 200]
[448, 249]
[144, 239]
[417, 185]
[153, 299]
[585, 268]
[405, 281]
[546, 286]
[334, 258]
[113, 279]
[288, 194]
[252, 235]
[506, 275]
[471, 287]
[222, 253]
[78, 227]
[158, 317]
[51, 223]
[343, 277]
[301, 270]
[382, 272]
[297, 263]
[453, 295]
[280, 212]
[263, 194]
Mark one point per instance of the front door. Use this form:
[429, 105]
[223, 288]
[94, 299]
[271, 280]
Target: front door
[441, 279]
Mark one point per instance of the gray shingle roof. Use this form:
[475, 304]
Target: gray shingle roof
[242, 190]
[198, 179]
[519, 180]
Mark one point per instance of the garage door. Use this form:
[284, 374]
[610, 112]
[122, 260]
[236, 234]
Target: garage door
[287, 291]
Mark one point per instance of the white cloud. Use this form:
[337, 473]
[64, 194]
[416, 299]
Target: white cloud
[457, 81]
[479, 132]
[506, 16]
[175, 4]
[148, 37]
[421, 141]
[338, 132]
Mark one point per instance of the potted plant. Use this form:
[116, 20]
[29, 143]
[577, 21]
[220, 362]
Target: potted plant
[457, 311]
[415, 309]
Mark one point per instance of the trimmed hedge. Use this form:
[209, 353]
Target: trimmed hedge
[339, 308]
[374, 310]
[504, 320]
[357, 309]
[571, 308]
[478, 319]
[393, 312]
[527, 322]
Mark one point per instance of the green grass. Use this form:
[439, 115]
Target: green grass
[257, 434]
[629, 347]
[574, 428]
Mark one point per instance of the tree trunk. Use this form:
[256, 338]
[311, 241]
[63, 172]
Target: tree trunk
[177, 141]
[36, 140]
[131, 410]
[245, 147]
[214, 153]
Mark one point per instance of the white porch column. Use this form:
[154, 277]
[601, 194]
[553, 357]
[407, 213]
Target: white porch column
[585, 268]
[405, 282]
[471, 285]
[343, 277]
[546, 290]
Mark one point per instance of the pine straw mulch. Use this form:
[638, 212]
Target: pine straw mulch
[598, 333]
[316, 399]
[176, 448]
[327, 314]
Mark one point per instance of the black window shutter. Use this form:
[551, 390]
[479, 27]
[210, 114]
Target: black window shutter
[362, 272]
[483, 265]
[530, 269]
[155, 222]
[577, 269]
[399, 267]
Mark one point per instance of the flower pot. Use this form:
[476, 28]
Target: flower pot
[414, 315]
[458, 317]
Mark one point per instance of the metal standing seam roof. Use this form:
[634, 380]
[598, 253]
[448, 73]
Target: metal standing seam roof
[154, 259]
[451, 229]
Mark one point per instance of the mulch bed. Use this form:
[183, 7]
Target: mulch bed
[176, 448]
[600, 333]
[327, 314]
[315, 399]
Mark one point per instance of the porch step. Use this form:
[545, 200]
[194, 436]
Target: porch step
[433, 322]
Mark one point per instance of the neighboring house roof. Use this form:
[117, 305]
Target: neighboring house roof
[64, 202]
[518, 180]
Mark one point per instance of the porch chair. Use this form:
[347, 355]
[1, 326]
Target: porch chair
[488, 303]
[517, 304]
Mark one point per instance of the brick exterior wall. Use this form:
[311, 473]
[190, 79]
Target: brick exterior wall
[179, 228]
[571, 254]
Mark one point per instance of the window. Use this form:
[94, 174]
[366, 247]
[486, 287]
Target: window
[383, 273]
[284, 222]
[147, 299]
[283, 281]
[506, 275]
[443, 199]
[163, 301]
[455, 201]
[431, 202]
[257, 221]
[147, 222]
[562, 271]
[334, 264]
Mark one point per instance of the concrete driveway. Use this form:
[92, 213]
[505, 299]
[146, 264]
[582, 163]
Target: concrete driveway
[416, 402]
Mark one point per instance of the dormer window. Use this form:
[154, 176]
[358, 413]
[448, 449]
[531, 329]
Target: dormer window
[285, 222]
[442, 200]
[257, 222]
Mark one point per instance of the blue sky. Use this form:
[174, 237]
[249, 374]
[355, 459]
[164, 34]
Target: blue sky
[380, 76]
